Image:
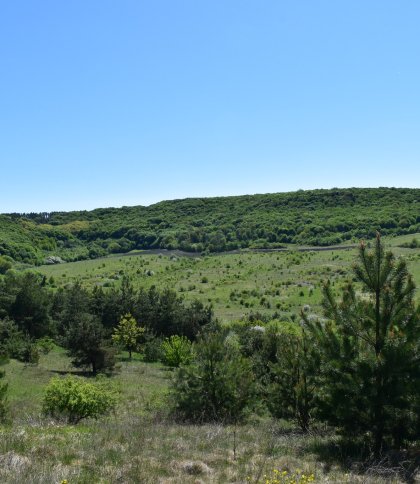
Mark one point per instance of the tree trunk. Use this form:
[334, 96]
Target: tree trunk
[378, 410]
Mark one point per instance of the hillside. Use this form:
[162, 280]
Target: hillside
[315, 217]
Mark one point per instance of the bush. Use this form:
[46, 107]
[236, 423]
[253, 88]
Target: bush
[14, 344]
[74, 399]
[177, 350]
[11, 339]
[153, 350]
[45, 345]
[29, 353]
[414, 244]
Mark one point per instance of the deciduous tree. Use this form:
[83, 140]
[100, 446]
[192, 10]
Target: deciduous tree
[128, 333]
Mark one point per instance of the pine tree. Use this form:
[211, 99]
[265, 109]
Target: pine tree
[25, 300]
[370, 346]
[85, 343]
[217, 386]
[293, 374]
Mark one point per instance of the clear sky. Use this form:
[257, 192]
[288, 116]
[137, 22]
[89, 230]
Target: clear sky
[126, 102]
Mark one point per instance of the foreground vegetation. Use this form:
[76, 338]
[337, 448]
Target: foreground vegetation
[316, 217]
[256, 394]
[140, 443]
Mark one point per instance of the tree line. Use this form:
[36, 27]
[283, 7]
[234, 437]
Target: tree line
[315, 217]
[84, 321]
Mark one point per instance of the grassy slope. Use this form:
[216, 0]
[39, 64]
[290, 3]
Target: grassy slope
[256, 280]
[140, 444]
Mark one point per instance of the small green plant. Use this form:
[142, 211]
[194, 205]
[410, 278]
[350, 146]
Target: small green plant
[177, 350]
[29, 353]
[45, 345]
[74, 399]
[414, 244]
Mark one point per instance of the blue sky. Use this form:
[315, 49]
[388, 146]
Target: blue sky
[111, 103]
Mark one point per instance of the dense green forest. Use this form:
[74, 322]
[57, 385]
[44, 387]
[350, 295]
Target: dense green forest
[316, 217]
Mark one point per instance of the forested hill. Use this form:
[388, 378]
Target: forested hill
[315, 217]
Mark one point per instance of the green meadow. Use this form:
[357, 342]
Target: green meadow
[235, 284]
[139, 442]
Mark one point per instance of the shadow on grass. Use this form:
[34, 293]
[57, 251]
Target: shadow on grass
[356, 456]
[84, 373]
[125, 358]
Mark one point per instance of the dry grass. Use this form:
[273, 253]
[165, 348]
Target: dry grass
[141, 449]
[140, 443]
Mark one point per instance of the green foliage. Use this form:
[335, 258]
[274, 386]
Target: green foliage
[45, 345]
[315, 217]
[128, 333]
[414, 244]
[25, 299]
[68, 306]
[29, 352]
[153, 349]
[5, 265]
[162, 312]
[369, 344]
[15, 344]
[85, 343]
[74, 399]
[11, 339]
[217, 386]
[292, 391]
[177, 350]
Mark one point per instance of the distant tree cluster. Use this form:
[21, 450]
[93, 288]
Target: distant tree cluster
[316, 217]
[89, 324]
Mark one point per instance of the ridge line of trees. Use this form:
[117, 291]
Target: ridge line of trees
[210, 225]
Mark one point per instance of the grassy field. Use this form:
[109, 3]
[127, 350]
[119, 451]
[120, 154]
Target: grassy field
[235, 284]
[140, 443]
